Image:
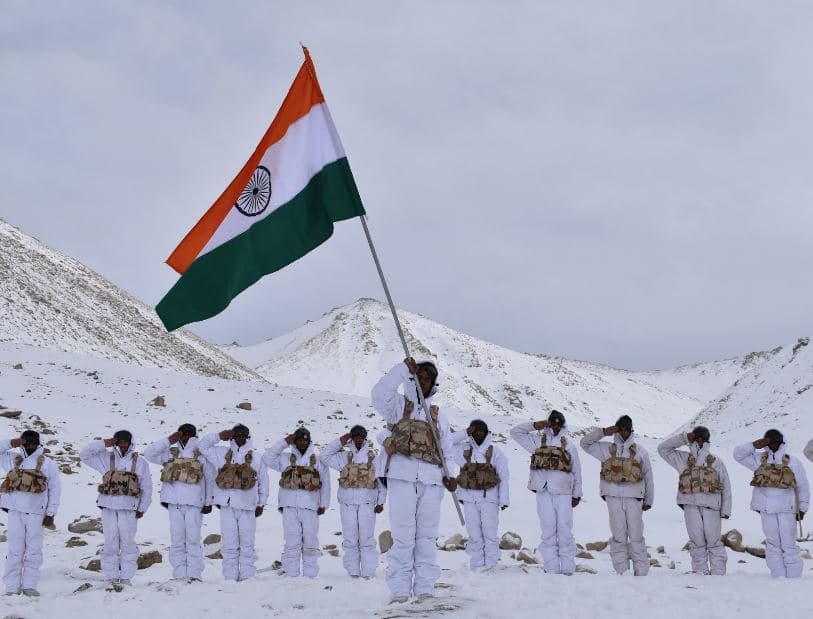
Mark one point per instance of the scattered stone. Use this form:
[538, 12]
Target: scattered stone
[148, 559]
[585, 569]
[742, 561]
[11, 414]
[215, 555]
[246, 406]
[733, 539]
[671, 565]
[526, 556]
[597, 546]
[385, 541]
[212, 538]
[805, 554]
[333, 552]
[85, 524]
[94, 565]
[83, 587]
[158, 400]
[18, 366]
[66, 469]
[510, 541]
[687, 545]
[455, 542]
[579, 546]
[756, 552]
[654, 563]
[74, 542]
[3, 537]
[661, 550]
[328, 546]
[584, 555]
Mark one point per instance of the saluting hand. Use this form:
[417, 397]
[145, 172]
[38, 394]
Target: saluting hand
[16, 442]
[610, 430]
[109, 442]
[540, 425]
[344, 438]
[410, 363]
[226, 435]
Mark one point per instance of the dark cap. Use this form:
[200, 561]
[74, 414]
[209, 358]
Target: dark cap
[241, 430]
[302, 433]
[774, 436]
[556, 416]
[479, 424]
[358, 431]
[624, 423]
[702, 432]
[123, 435]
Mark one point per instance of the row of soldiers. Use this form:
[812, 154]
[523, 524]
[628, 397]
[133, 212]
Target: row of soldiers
[222, 470]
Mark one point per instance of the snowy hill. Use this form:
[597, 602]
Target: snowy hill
[50, 300]
[73, 398]
[777, 393]
[347, 349]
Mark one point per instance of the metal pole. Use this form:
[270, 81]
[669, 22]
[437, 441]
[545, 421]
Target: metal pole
[421, 401]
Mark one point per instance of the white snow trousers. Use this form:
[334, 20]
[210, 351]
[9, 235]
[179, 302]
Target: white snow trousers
[24, 551]
[557, 545]
[358, 534]
[781, 550]
[704, 527]
[119, 556]
[412, 566]
[627, 530]
[237, 531]
[185, 550]
[482, 520]
[301, 529]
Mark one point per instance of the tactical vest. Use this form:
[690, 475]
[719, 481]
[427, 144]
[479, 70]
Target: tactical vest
[121, 483]
[621, 470]
[478, 475]
[358, 475]
[25, 480]
[413, 438]
[233, 476]
[774, 475]
[297, 477]
[696, 479]
[184, 470]
[552, 458]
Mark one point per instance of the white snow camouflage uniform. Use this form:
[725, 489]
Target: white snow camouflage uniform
[300, 523]
[25, 513]
[555, 491]
[625, 501]
[482, 509]
[415, 490]
[184, 502]
[119, 555]
[702, 511]
[356, 507]
[238, 522]
[777, 508]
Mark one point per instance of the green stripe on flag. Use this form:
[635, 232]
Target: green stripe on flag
[295, 228]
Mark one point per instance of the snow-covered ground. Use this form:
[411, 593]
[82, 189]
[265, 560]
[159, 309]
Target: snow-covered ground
[80, 397]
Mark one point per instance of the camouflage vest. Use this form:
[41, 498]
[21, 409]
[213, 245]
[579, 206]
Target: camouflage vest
[621, 470]
[297, 477]
[121, 483]
[478, 475]
[696, 479]
[233, 476]
[774, 475]
[358, 475]
[184, 470]
[552, 458]
[25, 480]
[413, 438]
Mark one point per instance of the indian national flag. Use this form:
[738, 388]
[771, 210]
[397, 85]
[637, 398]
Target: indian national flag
[281, 205]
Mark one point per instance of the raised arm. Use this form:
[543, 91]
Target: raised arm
[333, 456]
[271, 457]
[6, 454]
[523, 435]
[385, 397]
[746, 454]
[158, 452]
[668, 450]
[208, 447]
[96, 456]
[591, 443]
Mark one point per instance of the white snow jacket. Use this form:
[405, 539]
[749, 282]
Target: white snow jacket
[278, 457]
[97, 457]
[775, 500]
[600, 450]
[215, 454]
[679, 459]
[498, 494]
[335, 457]
[45, 503]
[178, 492]
[390, 405]
[555, 482]
[808, 451]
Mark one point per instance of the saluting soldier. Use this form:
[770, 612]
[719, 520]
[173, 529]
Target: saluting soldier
[30, 495]
[186, 492]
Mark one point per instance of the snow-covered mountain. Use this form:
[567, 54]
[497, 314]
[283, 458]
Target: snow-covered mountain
[347, 349]
[777, 393]
[50, 300]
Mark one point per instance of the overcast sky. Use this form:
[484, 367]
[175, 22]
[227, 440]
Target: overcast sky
[624, 182]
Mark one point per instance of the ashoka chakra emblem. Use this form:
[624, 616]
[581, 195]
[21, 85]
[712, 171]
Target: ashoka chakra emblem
[255, 197]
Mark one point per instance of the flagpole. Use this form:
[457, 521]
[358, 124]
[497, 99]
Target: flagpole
[418, 390]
